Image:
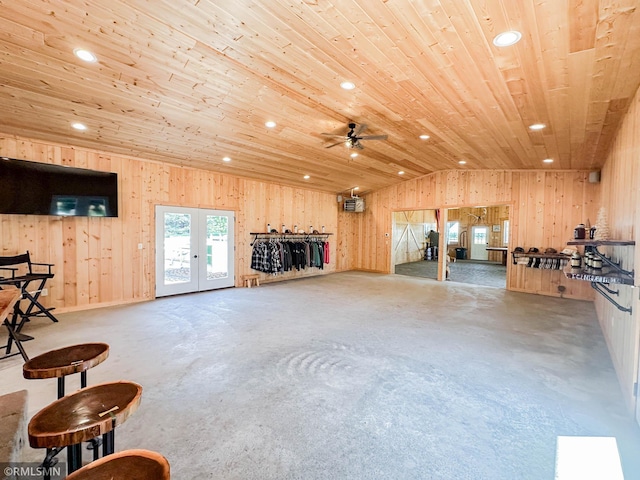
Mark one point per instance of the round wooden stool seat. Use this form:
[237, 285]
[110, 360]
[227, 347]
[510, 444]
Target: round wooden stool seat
[66, 361]
[126, 465]
[82, 416]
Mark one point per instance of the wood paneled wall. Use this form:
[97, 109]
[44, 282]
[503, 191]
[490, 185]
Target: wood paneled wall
[620, 179]
[97, 260]
[544, 206]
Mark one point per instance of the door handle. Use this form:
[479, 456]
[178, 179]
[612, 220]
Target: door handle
[195, 256]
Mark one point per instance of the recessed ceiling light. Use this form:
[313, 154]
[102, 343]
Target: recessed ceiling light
[548, 160]
[85, 55]
[506, 39]
[401, 172]
[270, 124]
[354, 155]
[462, 162]
[348, 85]
[79, 126]
[424, 137]
[226, 159]
[537, 126]
[307, 177]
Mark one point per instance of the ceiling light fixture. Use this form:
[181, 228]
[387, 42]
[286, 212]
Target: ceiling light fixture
[424, 137]
[226, 159]
[270, 124]
[462, 162]
[307, 177]
[548, 160]
[348, 85]
[79, 126]
[506, 39]
[85, 55]
[401, 172]
[354, 155]
[537, 126]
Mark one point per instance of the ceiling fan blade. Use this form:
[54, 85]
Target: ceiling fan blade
[359, 129]
[373, 137]
[334, 144]
[358, 145]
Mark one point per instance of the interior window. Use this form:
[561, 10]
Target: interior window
[453, 229]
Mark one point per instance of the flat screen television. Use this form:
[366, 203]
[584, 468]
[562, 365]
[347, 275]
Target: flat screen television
[33, 188]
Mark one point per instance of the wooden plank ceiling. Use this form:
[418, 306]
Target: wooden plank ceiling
[190, 82]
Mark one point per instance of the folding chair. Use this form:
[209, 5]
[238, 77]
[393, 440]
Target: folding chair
[17, 271]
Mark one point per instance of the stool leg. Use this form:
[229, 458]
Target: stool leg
[61, 387]
[74, 457]
[248, 283]
[83, 379]
[108, 443]
[257, 282]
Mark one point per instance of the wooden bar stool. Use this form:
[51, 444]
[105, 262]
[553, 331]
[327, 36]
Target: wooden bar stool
[82, 416]
[126, 465]
[66, 361]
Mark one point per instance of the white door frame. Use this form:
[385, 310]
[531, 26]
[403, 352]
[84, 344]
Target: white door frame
[196, 259]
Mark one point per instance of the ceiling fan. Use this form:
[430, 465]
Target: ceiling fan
[353, 137]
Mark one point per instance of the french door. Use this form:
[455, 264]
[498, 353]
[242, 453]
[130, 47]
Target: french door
[479, 242]
[194, 250]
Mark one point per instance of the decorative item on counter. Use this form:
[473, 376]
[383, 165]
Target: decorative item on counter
[576, 260]
[596, 263]
[592, 233]
[310, 228]
[322, 228]
[268, 228]
[579, 232]
[295, 229]
[284, 229]
[602, 225]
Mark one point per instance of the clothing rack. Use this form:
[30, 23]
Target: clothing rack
[288, 236]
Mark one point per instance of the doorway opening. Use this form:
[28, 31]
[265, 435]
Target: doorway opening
[477, 243]
[416, 241]
[194, 250]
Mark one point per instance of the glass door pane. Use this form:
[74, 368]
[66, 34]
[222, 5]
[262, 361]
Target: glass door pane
[177, 248]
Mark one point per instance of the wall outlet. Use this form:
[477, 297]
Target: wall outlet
[139, 246]
[45, 292]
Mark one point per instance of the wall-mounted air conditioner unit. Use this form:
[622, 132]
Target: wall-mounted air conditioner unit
[354, 205]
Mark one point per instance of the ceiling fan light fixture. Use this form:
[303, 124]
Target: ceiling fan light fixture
[85, 55]
[347, 85]
[424, 137]
[270, 124]
[537, 126]
[506, 39]
[354, 155]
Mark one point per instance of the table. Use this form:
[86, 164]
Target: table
[127, 465]
[500, 249]
[66, 361]
[82, 416]
[8, 299]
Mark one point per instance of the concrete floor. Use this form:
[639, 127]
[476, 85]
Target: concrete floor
[476, 272]
[351, 376]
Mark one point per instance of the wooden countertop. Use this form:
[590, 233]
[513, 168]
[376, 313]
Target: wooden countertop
[8, 298]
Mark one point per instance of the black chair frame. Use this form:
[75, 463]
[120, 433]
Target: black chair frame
[12, 273]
